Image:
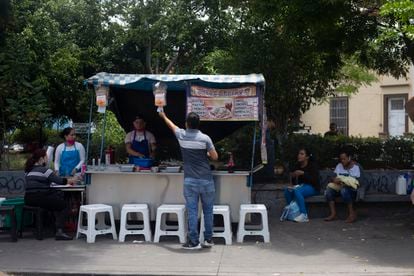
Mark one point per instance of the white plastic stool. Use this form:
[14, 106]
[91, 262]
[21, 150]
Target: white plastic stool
[244, 230]
[96, 211]
[162, 229]
[135, 229]
[225, 231]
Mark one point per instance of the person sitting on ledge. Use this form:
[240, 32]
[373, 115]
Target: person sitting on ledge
[306, 175]
[345, 185]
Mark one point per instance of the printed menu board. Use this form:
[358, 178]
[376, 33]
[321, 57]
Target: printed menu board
[230, 104]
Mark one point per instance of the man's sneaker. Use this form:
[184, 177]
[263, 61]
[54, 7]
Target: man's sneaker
[191, 246]
[208, 243]
[302, 218]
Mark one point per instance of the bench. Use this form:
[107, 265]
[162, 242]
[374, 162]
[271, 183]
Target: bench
[375, 186]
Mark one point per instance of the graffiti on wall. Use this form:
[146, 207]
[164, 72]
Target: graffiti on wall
[12, 183]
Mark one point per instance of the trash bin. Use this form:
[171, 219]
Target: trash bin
[18, 204]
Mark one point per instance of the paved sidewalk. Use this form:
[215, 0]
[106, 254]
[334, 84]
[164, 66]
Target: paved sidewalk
[376, 246]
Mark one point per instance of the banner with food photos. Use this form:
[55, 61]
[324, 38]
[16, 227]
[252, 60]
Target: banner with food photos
[227, 104]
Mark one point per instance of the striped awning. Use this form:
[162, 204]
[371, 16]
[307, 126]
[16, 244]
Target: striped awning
[109, 79]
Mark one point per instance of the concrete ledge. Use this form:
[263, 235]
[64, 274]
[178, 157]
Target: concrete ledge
[367, 198]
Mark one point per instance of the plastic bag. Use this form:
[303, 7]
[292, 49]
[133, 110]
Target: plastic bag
[290, 212]
[160, 95]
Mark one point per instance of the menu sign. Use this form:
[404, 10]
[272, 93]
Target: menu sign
[231, 104]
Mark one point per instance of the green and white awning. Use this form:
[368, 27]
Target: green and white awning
[109, 79]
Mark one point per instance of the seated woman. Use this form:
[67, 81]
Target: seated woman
[306, 174]
[345, 184]
[40, 194]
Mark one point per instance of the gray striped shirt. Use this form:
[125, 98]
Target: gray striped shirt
[40, 178]
[194, 147]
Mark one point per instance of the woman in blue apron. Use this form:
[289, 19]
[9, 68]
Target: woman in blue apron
[140, 143]
[70, 155]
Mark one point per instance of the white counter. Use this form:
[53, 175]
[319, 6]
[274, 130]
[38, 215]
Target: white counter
[117, 188]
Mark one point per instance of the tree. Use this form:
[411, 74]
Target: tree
[47, 48]
[391, 48]
[169, 36]
[305, 50]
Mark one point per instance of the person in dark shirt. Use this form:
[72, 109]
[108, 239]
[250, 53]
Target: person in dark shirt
[333, 130]
[306, 177]
[39, 193]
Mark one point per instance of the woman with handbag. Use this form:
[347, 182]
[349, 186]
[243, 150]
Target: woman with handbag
[306, 175]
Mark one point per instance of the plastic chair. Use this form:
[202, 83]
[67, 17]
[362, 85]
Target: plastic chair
[246, 230]
[135, 229]
[96, 212]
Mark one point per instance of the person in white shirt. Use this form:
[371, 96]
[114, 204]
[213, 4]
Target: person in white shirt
[70, 155]
[140, 143]
[346, 167]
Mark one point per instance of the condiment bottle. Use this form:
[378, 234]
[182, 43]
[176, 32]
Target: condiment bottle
[230, 164]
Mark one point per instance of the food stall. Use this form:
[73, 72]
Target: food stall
[224, 102]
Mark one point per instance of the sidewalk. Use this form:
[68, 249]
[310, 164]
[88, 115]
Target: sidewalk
[372, 246]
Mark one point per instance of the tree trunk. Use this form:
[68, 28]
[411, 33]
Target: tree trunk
[172, 63]
[148, 65]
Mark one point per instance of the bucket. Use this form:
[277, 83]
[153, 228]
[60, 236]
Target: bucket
[142, 162]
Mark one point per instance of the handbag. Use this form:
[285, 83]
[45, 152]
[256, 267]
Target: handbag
[290, 211]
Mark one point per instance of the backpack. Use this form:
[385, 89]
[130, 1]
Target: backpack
[290, 212]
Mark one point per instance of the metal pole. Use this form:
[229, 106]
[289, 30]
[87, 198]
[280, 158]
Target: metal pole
[250, 184]
[103, 137]
[89, 128]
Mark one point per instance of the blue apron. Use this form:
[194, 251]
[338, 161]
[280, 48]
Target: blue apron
[140, 146]
[68, 161]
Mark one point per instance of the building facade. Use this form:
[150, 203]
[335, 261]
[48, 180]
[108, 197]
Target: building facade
[377, 110]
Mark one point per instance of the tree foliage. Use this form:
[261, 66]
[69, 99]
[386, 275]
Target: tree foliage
[307, 50]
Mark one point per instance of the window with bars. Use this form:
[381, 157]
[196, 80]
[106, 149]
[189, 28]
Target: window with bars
[338, 113]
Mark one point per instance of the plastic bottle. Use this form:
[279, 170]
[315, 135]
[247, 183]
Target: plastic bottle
[401, 186]
[83, 171]
[107, 159]
[230, 164]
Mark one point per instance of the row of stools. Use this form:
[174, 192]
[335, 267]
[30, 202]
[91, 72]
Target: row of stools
[96, 225]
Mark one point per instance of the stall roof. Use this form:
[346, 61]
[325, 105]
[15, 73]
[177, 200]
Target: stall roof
[138, 81]
[132, 95]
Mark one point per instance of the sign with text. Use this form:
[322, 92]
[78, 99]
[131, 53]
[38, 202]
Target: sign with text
[81, 128]
[230, 104]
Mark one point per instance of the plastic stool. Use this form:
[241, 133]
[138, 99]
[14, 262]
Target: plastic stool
[37, 213]
[9, 210]
[242, 228]
[96, 212]
[135, 229]
[161, 227]
[223, 232]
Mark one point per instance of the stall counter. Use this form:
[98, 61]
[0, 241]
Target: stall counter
[118, 188]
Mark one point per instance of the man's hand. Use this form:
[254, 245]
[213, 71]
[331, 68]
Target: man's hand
[162, 115]
[72, 180]
[140, 155]
[297, 173]
[336, 180]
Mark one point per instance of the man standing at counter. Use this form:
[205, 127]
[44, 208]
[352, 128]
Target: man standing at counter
[140, 143]
[196, 147]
